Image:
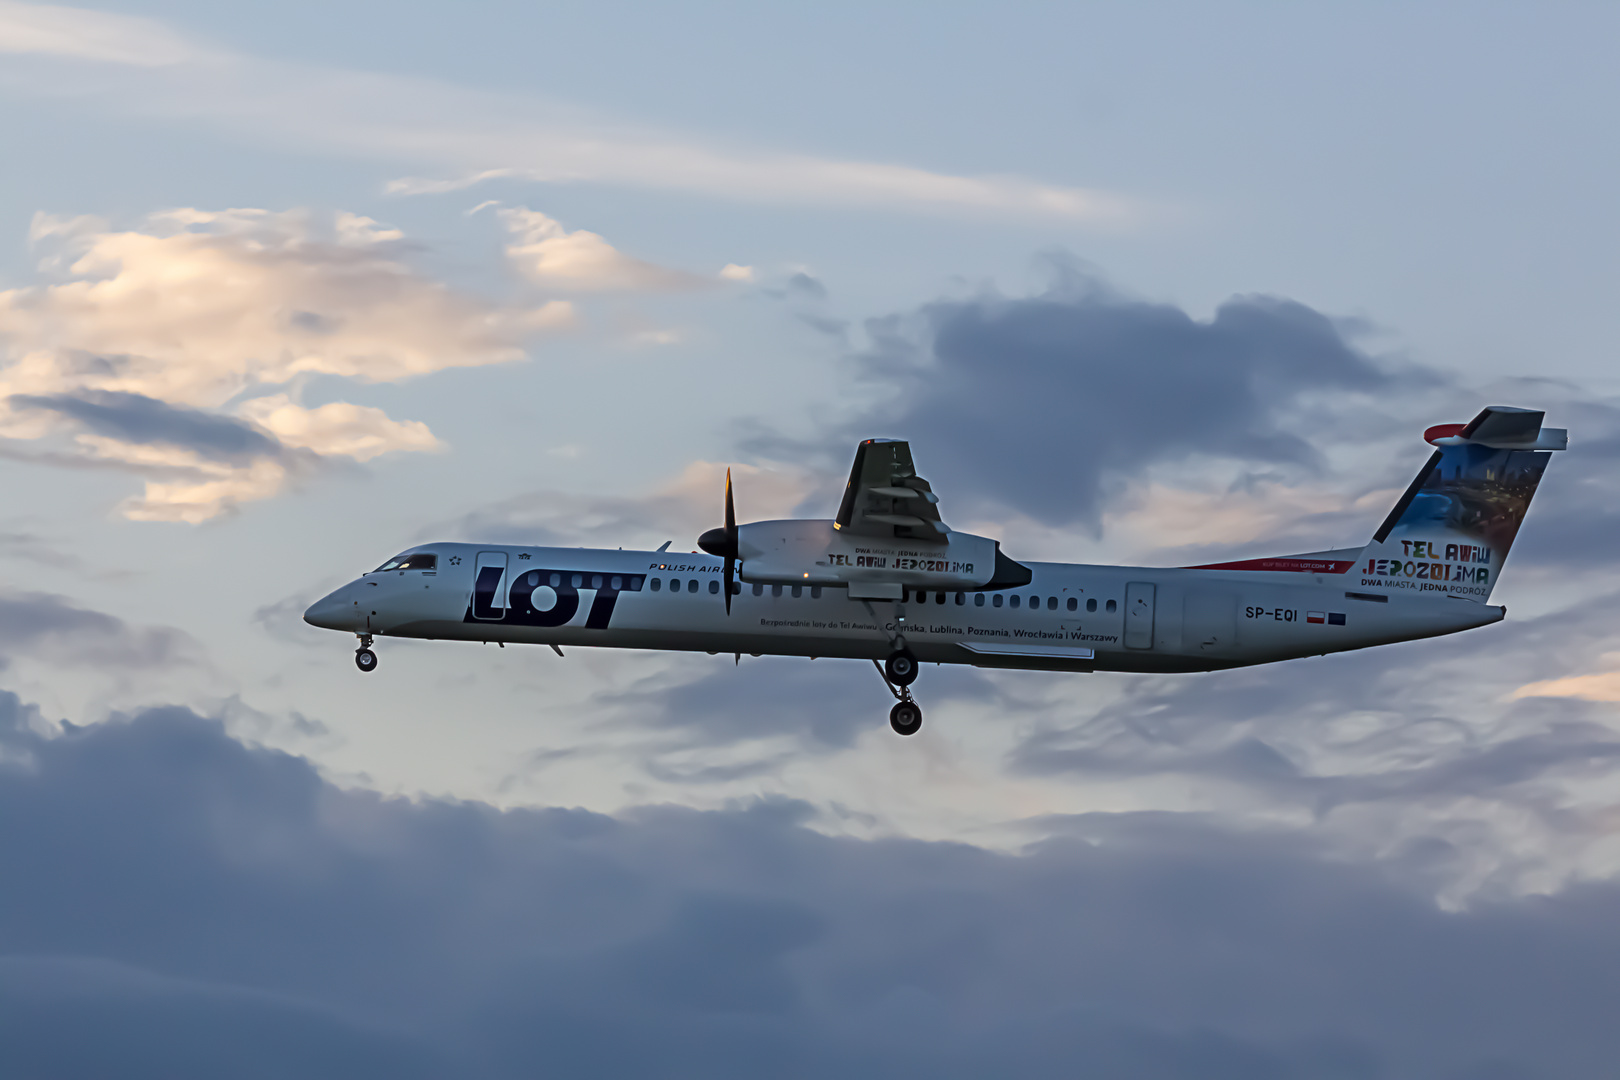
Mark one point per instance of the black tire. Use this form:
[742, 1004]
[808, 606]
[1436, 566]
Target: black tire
[365, 660]
[906, 718]
[901, 668]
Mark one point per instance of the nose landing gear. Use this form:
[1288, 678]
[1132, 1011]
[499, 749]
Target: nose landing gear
[364, 658]
[899, 672]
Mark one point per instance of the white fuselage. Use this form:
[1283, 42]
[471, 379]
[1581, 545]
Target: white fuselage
[1082, 618]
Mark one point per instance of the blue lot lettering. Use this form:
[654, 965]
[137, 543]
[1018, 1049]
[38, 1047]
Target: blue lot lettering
[1276, 614]
[558, 586]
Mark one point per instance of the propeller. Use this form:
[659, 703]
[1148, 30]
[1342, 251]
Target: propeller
[724, 542]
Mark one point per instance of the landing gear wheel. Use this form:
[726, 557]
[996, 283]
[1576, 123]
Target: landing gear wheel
[365, 660]
[901, 668]
[906, 718]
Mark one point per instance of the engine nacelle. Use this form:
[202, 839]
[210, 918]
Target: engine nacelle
[810, 551]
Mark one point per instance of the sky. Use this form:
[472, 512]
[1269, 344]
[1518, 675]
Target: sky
[287, 289]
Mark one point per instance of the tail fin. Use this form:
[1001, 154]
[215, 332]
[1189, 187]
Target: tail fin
[1450, 532]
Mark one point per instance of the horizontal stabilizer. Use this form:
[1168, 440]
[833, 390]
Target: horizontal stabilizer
[1501, 427]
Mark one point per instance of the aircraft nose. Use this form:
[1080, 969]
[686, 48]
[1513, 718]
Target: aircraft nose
[333, 611]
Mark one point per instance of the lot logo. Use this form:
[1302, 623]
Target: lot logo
[547, 597]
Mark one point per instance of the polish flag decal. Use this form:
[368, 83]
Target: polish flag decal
[1316, 616]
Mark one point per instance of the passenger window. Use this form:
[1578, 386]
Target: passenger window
[577, 581]
[1014, 600]
[691, 586]
[961, 598]
[655, 585]
[534, 578]
[635, 583]
[714, 588]
[596, 581]
[759, 590]
[798, 591]
[556, 580]
[1051, 603]
[674, 584]
[1112, 606]
[617, 583]
[997, 600]
[776, 590]
[1073, 603]
[939, 598]
[815, 592]
[1034, 603]
[978, 599]
[1091, 604]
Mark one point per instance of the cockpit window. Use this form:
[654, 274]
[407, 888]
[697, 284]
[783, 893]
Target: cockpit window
[414, 560]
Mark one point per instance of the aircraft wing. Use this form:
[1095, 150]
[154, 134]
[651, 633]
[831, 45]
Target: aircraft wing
[887, 499]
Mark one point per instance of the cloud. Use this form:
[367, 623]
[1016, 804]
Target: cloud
[805, 285]
[1066, 394]
[36, 548]
[82, 34]
[1598, 686]
[637, 159]
[135, 418]
[818, 707]
[1379, 748]
[550, 255]
[148, 69]
[678, 510]
[1575, 521]
[734, 272]
[56, 630]
[177, 898]
[193, 307]
[141, 339]
[338, 428]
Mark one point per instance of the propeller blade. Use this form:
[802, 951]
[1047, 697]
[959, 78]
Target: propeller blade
[731, 542]
[723, 542]
[731, 514]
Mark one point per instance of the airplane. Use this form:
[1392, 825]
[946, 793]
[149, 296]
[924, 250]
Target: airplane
[887, 580]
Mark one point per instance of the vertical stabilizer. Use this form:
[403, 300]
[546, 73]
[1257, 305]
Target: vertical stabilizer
[1450, 532]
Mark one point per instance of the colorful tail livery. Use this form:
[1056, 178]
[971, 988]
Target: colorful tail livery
[1451, 531]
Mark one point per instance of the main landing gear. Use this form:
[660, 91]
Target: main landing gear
[364, 658]
[899, 671]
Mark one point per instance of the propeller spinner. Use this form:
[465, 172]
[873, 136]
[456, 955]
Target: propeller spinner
[724, 542]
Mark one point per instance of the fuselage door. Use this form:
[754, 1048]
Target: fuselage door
[1139, 615]
[488, 581]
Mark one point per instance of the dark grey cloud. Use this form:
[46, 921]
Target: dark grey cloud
[1436, 723]
[1048, 404]
[1573, 523]
[178, 904]
[824, 705]
[824, 324]
[803, 284]
[284, 619]
[35, 548]
[54, 628]
[799, 286]
[136, 418]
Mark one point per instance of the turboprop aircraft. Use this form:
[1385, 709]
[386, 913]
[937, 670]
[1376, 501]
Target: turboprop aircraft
[888, 580]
